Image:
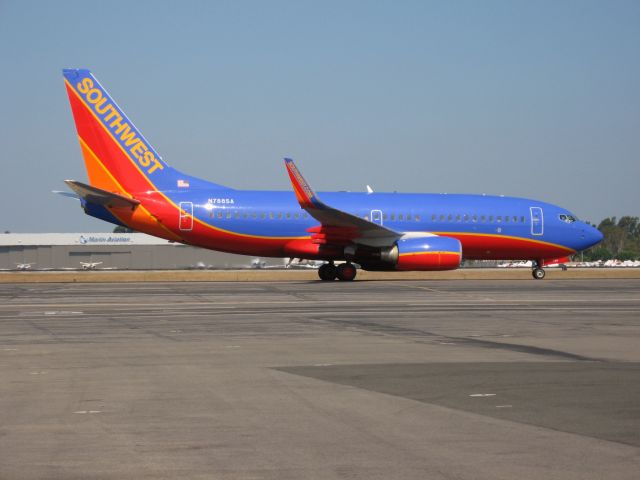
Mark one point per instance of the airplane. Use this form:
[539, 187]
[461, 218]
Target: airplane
[89, 265]
[24, 266]
[131, 185]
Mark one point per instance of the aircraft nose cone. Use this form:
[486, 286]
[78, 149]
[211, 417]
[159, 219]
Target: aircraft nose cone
[591, 236]
[597, 236]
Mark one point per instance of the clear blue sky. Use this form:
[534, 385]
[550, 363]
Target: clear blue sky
[533, 99]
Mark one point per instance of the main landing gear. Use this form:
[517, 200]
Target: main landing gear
[345, 272]
[538, 272]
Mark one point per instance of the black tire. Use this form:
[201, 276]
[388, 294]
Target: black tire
[327, 272]
[538, 273]
[346, 272]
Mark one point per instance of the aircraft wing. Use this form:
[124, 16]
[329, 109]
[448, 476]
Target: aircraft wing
[100, 196]
[338, 223]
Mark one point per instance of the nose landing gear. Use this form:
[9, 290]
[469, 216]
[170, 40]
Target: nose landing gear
[345, 272]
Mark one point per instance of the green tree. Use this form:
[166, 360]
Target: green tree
[621, 240]
[627, 255]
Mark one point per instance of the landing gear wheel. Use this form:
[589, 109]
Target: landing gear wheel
[327, 272]
[346, 272]
[538, 273]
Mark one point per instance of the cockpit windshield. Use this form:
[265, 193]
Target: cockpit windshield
[567, 218]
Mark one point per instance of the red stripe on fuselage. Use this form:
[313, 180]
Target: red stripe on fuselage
[495, 247]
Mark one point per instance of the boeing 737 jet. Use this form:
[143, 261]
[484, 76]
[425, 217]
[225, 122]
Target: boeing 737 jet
[131, 185]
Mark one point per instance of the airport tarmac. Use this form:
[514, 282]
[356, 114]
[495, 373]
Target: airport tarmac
[428, 379]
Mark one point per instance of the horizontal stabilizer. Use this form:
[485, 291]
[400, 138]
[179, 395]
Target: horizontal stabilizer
[100, 196]
[66, 194]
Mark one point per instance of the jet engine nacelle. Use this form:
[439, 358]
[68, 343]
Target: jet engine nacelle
[428, 253]
[413, 253]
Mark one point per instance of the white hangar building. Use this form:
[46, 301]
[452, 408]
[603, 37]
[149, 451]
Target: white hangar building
[133, 251]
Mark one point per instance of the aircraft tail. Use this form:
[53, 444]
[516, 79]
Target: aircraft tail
[117, 156]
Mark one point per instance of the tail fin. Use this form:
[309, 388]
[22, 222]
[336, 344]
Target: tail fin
[117, 156]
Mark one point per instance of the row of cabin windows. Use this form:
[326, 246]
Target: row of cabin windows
[457, 218]
[476, 218]
[450, 218]
[255, 215]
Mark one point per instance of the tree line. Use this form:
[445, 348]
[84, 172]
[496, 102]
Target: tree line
[621, 240]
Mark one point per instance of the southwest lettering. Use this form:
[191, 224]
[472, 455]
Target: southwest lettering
[113, 112]
[117, 122]
[99, 104]
[137, 150]
[146, 160]
[97, 95]
[123, 132]
[156, 165]
[128, 136]
[85, 85]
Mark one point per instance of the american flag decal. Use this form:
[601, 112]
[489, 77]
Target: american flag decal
[183, 183]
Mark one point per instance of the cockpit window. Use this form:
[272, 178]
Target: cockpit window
[567, 218]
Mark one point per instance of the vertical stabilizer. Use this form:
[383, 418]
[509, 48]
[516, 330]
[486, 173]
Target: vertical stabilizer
[117, 156]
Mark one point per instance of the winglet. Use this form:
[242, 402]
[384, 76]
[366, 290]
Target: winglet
[305, 195]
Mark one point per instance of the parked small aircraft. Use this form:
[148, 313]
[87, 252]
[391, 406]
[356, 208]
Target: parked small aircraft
[24, 266]
[89, 265]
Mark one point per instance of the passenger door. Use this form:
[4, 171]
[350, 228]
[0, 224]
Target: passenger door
[537, 221]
